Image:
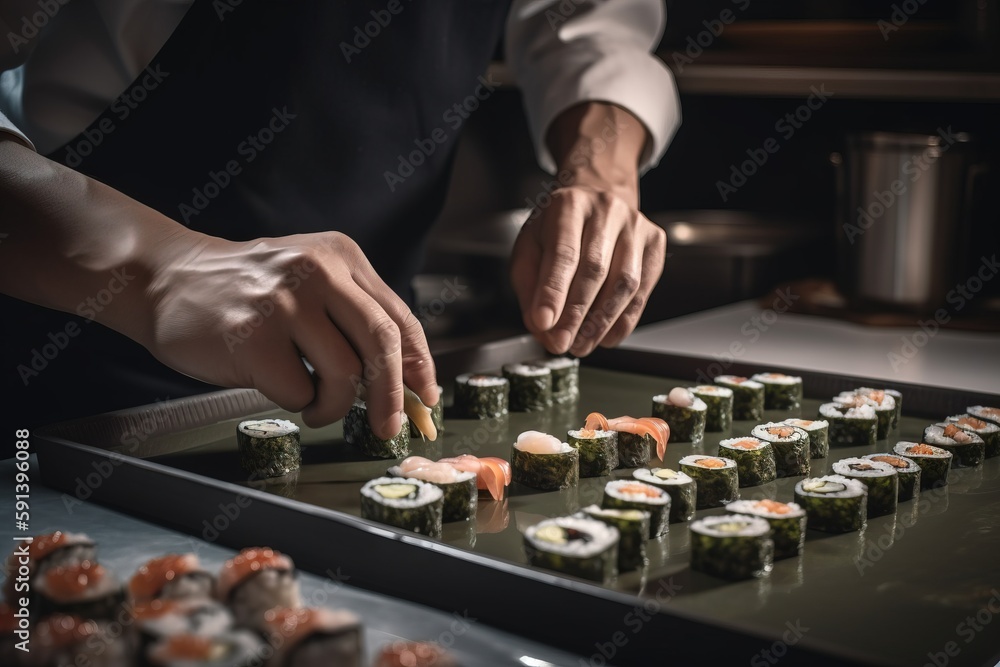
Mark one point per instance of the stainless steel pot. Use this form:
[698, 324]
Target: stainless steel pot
[903, 219]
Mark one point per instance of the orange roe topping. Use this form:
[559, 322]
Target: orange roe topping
[711, 463]
[72, 580]
[920, 449]
[185, 647]
[972, 422]
[153, 609]
[150, 579]
[773, 506]
[248, 562]
[412, 654]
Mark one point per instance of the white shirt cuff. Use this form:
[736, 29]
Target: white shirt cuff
[9, 128]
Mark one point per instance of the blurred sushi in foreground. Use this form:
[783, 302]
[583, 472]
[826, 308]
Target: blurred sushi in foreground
[86, 589]
[62, 640]
[833, 503]
[748, 396]
[414, 654]
[255, 580]
[404, 502]
[45, 552]
[542, 462]
[732, 546]
[171, 577]
[582, 548]
[314, 637]
[236, 648]
[685, 413]
[164, 618]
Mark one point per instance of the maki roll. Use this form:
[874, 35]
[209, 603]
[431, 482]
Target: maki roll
[819, 435]
[633, 531]
[934, 462]
[684, 413]
[679, 486]
[719, 400]
[460, 493]
[256, 579]
[991, 415]
[732, 546]
[403, 502]
[627, 494]
[268, 447]
[781, 392]
[850, 425]
[578, 547]
[565, 377]
[897, 397]
[542, 462]
[530, 387]
[636, 437]
[598, 451]
[414, 654]
[481, 396]
[314, 636]
[83, 589]
[883, 403]
[716, 479]
[754, 460]
[833, 503]
[787, 520]
[165, 618]
[968, 449]
[62, 640]
[436, 414]
[791, 447]
[880, 478]
[358, 432]
[748, 396]
[236, 648]
[907, 472]
[634, 449]
[988, 431]
[45, 552]
[171, 577]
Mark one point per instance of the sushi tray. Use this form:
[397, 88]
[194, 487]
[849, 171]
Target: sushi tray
[773, 532]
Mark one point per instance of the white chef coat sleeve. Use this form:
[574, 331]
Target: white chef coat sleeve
[7, 127]
[563, 52]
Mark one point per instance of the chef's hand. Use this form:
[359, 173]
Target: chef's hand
[583, 266]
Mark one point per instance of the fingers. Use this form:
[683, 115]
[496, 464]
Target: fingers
[652, 268]
[526, 259]
[335, 364]
[560, 228]
[281, 376]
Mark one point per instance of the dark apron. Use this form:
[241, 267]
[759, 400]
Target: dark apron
[266, 119]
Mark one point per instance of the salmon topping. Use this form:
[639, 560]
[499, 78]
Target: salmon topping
[187, 647]
[711, 463]
[640, 490]
[991, 412]
[950, 431]
[920, 449]
[773, 506]
[894, 461]
[781, 431]
[972, 422]
[72, 580]
[746, 443]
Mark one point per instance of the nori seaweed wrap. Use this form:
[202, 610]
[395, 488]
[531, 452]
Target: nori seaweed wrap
[565, 377]
[634, 450]
[481, 396]
[819, 435]
[437, 416]
[719, 400]
[679, 485]
[268, 447]
[684, 412]
[748, 396]
[542, 462]
[628, 494]
[934, 462]
[787, 520]
[582, 548]
[716, 479]
[834, 503]
[880, 478]
[732, 546]
[404, 502]
[988, 431]
[598, 451]
[907, 471]
[850, 426]
[633, 531]
[968, 449]
[461, 497]
[791, 447]
[530, 387]
[754, 460]
[781, 392]
[358, 432]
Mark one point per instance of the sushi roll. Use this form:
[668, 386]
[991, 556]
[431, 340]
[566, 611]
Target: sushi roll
[791, 447]
[61, 640]
[787, 520]
[883, 403]
[582, 548]
[754, 460]
[628, 494]
[679, 485]
[84, 589]
[403, 502]
[968, 449]
[171, 577]
[684, 412]
[542, 462]
[565, 377]
[897, 398]
[633, 531]
[460, 493]
[598, 451]
[634, 449]
[850, 426]
[732, 546]
[781, 392]
[833, 503]
[414, 654]
[988, 431]
[907, 471]
[819, 435]
[880, 478]
[436, 415]
[236, 648]
[44, 553]
[530, 387]
[358, 432]
[934, 462]
[165, 618]
[255, 580]
[716, 479]
[268, 447]
[481, 396]
[748, 396]
[314, 636]
[719, 400]
[991, 415]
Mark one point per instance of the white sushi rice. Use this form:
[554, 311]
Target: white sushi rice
[852, 487]
[630, 515]
[984, 412]
[808, 424]
[596, 434]
[903, 445]
[711, 390]
[934, 435]
[205, 618]
[877, 468]
[614, 489]
[776, 378]
[649, 476]
[733, 380]
[757, 509]
[527, 370]
[837, 411]
[751, 526]
[856, 398]
[557, 363]
[692, 460]
[477, 380]
[761, 433]
[268, 428]
[731, 443]
[696, 404]
[426, 492]
[888, 400]
[602, 536]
